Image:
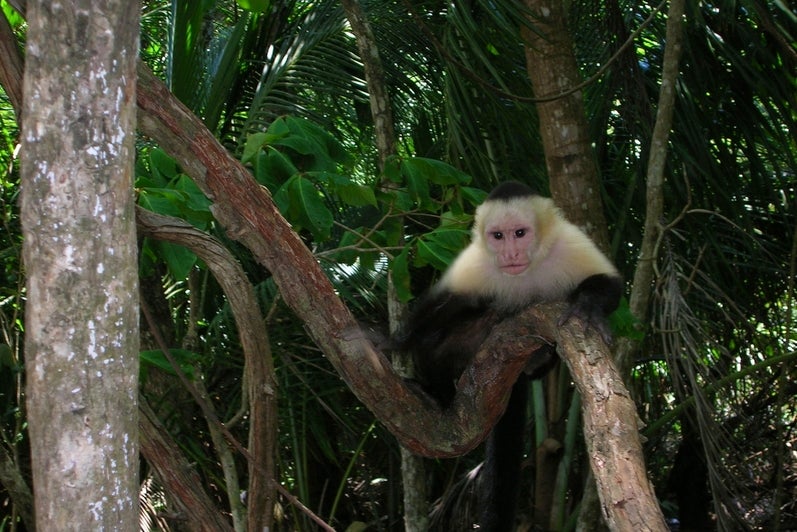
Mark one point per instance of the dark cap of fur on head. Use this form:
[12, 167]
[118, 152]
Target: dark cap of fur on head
[510, 190]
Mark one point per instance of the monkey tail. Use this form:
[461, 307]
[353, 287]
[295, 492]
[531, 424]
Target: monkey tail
[500, 480]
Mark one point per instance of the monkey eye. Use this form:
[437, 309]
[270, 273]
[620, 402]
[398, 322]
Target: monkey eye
[498, 235]
[520, 233]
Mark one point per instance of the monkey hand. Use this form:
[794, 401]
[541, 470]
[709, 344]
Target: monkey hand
[592, 315]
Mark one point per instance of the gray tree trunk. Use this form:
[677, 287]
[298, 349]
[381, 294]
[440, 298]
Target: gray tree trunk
[80, 257]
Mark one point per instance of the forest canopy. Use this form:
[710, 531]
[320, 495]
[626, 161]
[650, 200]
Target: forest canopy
[378, 169]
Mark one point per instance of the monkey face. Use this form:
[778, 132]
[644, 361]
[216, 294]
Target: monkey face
[511, 245]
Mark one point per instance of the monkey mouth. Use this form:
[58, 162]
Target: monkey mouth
[514, 269]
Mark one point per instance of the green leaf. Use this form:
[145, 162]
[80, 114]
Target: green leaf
[182, 199]
[435, 171]
[420, 172]
[163, 168]
[624, 323]
[15, 19]
[195, 205]
[254, 143]
[179, 260]
[456, 220]
[256, 6]
[184, 358]
[430, 253]
[160, 200]
[302, 205]
[317, 217]
[441, 246]
[452, 237]
[475, 196]
[348, 256]
[326, 142]
[400, 270]
[320, 150]
[273, 167]
[347, 190]
[417, 183]
[279, 128]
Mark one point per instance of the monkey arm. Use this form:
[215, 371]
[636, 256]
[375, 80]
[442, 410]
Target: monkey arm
[593, 300]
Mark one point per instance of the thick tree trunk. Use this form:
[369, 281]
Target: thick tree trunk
[569, 157]
[80, 257]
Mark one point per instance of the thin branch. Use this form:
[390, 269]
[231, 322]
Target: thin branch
[645, 272]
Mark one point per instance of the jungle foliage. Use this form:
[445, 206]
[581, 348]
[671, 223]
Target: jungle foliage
[280, 84]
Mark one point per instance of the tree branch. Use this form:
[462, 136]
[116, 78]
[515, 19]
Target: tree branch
[181, 481]
[644, 274]
[628, 501]
[258, 368]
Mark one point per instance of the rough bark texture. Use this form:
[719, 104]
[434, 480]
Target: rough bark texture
[197, 510]
[569, 157]
[79, 250]
[628, 501]
[11, 66]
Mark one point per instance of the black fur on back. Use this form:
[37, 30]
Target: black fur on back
[443, 334]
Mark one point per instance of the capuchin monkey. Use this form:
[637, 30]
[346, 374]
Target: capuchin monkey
[522, 251]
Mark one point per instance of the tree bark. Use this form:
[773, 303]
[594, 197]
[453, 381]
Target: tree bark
[182, 483]
[628, 502]
[80, 256]
[11, 66]
[572, 169]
